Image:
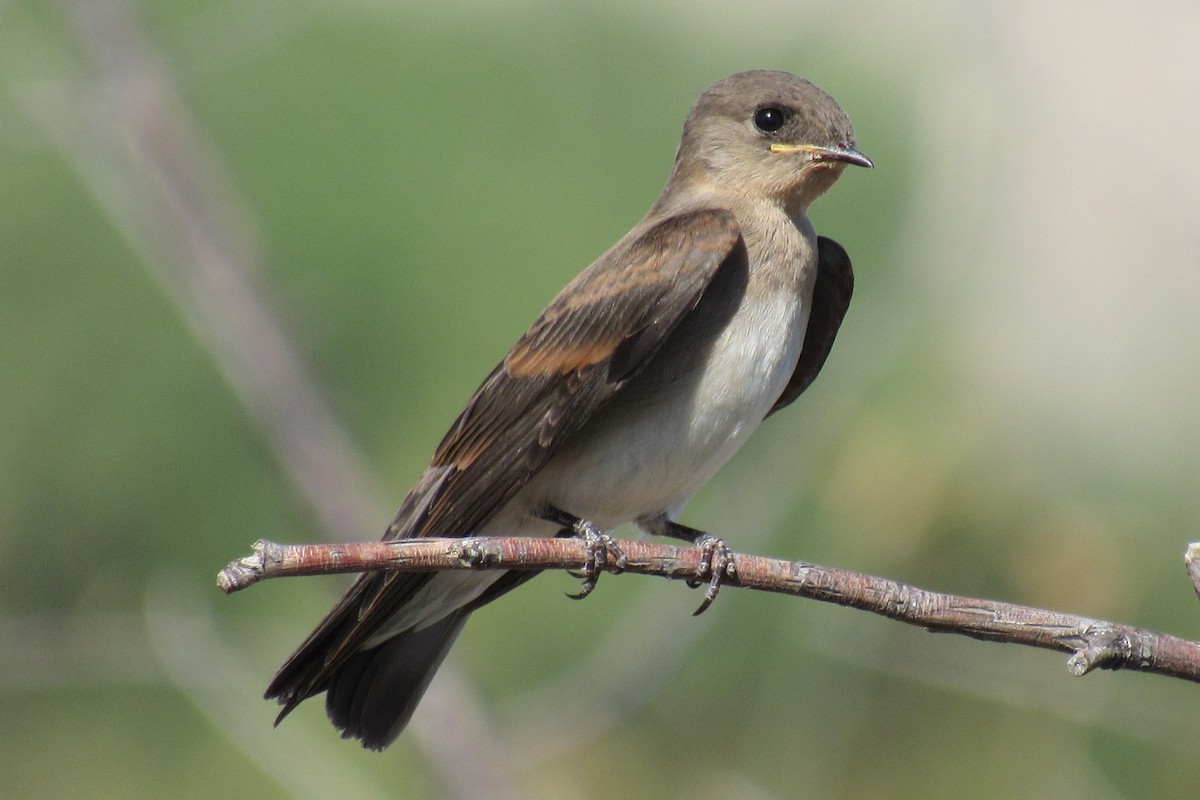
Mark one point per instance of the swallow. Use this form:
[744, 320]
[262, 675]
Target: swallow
[630, 390]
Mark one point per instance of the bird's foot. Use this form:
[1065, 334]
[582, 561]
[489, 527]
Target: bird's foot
[717, 563]
[716, 566]
[601, 548]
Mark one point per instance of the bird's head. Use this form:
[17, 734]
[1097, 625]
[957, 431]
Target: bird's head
[766, 134]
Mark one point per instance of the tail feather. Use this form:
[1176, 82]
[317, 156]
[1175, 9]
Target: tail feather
[373, 695]
[372, 691]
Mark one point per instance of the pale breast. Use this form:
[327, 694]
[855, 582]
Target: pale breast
[675, 425]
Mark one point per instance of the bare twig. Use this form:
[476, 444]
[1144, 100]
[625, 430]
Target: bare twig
[1092, 643]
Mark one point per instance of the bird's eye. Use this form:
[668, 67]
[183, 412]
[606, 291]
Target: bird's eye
[769, 119]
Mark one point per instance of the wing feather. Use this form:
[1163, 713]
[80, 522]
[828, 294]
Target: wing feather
[596, 335]
[831, 298]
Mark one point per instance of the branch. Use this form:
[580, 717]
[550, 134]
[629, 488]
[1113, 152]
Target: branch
[1092, 643]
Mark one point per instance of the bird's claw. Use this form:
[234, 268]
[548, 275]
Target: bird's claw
[601, 548]
[716, 566]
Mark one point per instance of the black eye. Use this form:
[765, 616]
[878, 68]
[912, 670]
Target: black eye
[769, 119]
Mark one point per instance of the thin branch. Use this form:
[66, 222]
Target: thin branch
[620, 672]
[1092, 643]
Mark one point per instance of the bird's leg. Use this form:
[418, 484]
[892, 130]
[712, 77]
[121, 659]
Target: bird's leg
[718, 558]
[600, 547]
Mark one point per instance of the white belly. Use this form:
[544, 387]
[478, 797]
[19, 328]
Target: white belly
[649, 454]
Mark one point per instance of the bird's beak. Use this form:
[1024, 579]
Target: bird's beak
[844, 154]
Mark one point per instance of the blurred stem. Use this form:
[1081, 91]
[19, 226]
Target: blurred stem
[129, 137]
[165, 189]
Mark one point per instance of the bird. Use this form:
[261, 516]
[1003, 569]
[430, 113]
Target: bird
[638, 381]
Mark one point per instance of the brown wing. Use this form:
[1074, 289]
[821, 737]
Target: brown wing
[597, 334]
[831, 298]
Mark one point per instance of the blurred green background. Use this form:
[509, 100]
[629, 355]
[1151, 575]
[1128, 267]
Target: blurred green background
[255, 255]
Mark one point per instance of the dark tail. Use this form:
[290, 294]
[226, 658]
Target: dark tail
[373, 695]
